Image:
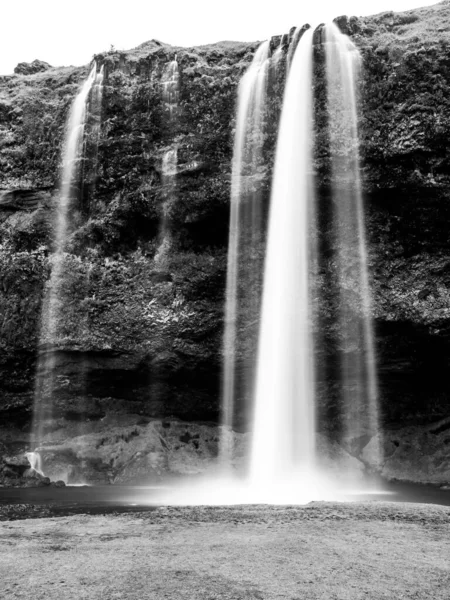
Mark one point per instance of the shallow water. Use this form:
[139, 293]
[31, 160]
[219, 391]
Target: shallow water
[91, 499]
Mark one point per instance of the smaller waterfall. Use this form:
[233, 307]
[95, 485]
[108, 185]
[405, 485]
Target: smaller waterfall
[278, 54]
[293, 45]
[169, 163]
[357, 348]
[169, 173]
[243, 269]
[171, 95]
[283, 447]
[73, 152]
[35, 460]
[171, 88]
[96, 110]
[52, 309]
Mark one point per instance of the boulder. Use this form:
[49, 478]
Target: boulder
[19, 462]
[415, 453]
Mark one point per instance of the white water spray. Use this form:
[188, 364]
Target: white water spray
[357, 349]
[283, 447]
[245, 229]
[35, 460]
[171, 87]
[293, 45]
[278, 54]
[51, 310]
[169, 172]
[96, 111]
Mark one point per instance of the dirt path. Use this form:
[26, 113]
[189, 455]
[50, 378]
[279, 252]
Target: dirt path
[327, 551]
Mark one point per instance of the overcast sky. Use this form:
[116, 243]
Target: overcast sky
[69, 33]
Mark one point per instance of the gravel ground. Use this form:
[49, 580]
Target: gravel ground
[323, 550]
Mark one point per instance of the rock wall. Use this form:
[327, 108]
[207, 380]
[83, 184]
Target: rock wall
[140, 331]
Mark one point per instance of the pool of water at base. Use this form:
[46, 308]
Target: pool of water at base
[106, 499]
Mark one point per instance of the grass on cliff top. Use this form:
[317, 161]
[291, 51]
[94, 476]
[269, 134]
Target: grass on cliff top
[425, 25]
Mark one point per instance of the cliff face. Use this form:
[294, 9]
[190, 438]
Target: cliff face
[144, 330]
[140, 330]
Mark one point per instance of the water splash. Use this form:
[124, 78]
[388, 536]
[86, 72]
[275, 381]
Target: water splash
[283, 447]
[244, 262]
[52, 308]
[35, 460]
[357, 348]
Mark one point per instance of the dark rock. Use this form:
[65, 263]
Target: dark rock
[318, 35]
[17, 462]
[423, 294]
[30, 68]
[348, 26]
[8, 472]
[44, 482]
[274, 43]
[343, 24]
[31, 474]
[22, 199]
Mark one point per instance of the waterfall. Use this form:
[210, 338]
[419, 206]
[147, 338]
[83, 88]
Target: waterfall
[52, 309]
[359, 388]
[170, 94]
[278, 54]
[35, 460]
[169, 172]
[169, 163]
[95, 111]
[283, 424]
[293, 45]
[244, 262]
[171, 87]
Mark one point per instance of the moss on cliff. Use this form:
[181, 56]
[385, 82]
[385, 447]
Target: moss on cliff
[158, 315]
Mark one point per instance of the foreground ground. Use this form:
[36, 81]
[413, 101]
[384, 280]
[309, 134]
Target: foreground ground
[323, 550]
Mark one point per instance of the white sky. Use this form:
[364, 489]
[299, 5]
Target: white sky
[69, 33]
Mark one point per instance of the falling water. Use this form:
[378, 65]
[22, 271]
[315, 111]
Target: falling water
[171, 87]
[96, 112]
[283, 426]
[293, 45]
[169, 163]
[243, 269]
[171, 95]
[51, 311]
[35, 460]
[358, 363]
[169, 172]
[278, 54]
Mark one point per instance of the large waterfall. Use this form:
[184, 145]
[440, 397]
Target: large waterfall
[359, 393]
[52, 311]
[284, 460]
[283, 424]
[244, 266]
